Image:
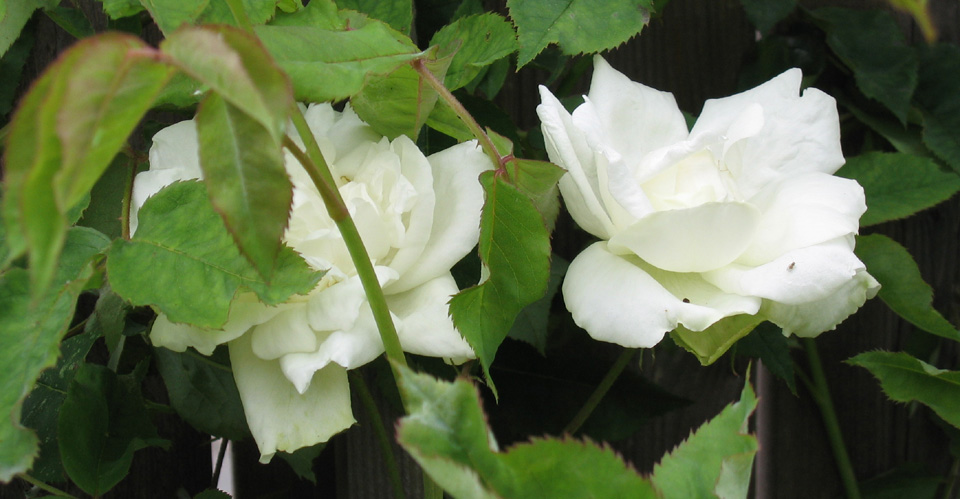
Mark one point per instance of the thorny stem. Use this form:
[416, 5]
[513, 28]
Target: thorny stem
[45, 487]
[817, 384]
[357, 382]
[605, 384]
[462, 113]
[321, 176]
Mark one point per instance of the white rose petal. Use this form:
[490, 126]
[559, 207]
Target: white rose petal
[739, 216]
[281, 418]
[417, 217]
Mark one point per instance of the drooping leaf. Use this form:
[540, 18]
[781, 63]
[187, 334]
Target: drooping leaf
[515, 248]
[912, 480]
[203, 392]
[905, 379]
[531, 325]
[717, 458]
[939, 100]
[903, 288]
[237, 66]
[768, 344]
[898, 185]
[331, 64]
[871, 44]
[446, 433]
[102, 422]
[397, 13]
[541, 395]
[65, 133]
[711, 343]
[481, 40]
[764, 14]
[41, 408]
[578, 26]
[301, 461]
[243, 169]
[400, 102]
[30, 331]
[183, 261]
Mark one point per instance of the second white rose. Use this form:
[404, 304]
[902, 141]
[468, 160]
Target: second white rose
[740, 215]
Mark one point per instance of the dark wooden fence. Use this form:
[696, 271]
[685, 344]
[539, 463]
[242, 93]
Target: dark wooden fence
[695, 51]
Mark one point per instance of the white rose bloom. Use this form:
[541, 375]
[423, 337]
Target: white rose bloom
[417, 217]
[740, 215]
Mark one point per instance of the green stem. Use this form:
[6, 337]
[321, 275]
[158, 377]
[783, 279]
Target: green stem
[588, 407]
[817, 384]
[321, 176]
[366, 398]
[236, 8]
[47, 488]
[461, 111]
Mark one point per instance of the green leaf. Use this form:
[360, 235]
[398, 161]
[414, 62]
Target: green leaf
[183, 260]
[18, 13]
[445, 120]
[203, 392]
[30, 332]
[871, 44]
[764, 14]
[301, 461]
[397, 13]
[905, 140]
[716, 460]
[912, 480]
[578, 26]
[446, 433]
[237, 66]
[481, 41]
[531, 325]
[905, 379]
[332, 64]
[245, 176]
[117, 9]
[181, 92]
[711, 343]
[538, 180]
[400, 102]
[515, 248]
[104, 213]
[939, 100]
[317, 13]
[102, 422]
[171, 14]
[108, 318]
[903, 288]
[898, 185]
[71, 20]
[66, 132]
[41, 408]
[768, 344]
